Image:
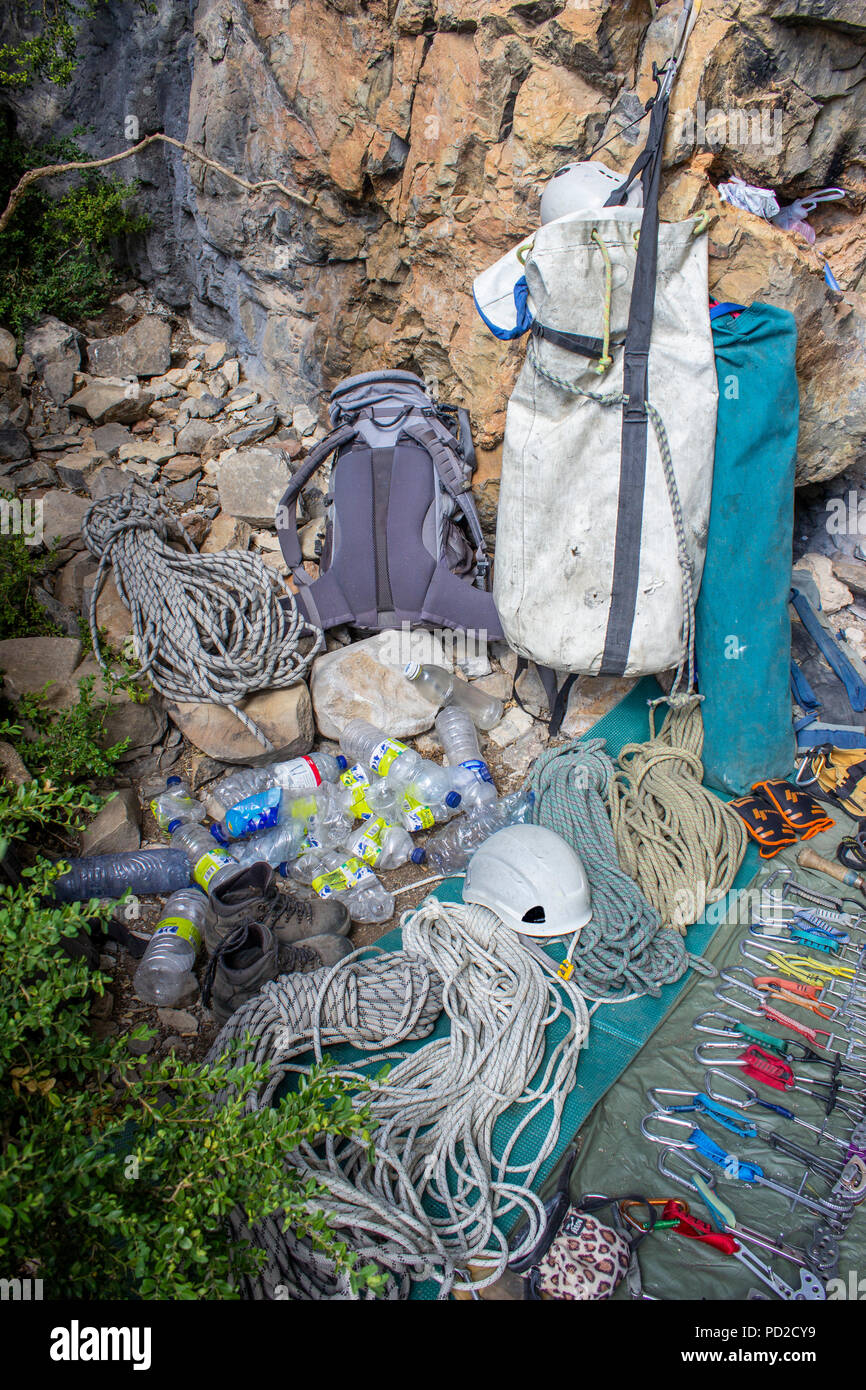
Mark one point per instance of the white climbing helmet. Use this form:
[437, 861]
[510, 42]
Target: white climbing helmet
[531, 878]
[581, 186]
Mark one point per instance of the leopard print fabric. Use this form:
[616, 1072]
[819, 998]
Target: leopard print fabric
[586, 1260]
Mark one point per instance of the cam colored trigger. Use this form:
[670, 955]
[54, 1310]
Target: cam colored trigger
[566, 970]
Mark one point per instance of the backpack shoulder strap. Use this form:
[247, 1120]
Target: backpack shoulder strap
[286, 515]
[438, 441]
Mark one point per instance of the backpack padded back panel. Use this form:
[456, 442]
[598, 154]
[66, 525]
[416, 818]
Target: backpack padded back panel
[402, 538]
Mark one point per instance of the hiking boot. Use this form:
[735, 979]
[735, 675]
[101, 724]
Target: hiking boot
[248, 959]
[298, 919]
[237, 895]
[250, 894]
[326, 950]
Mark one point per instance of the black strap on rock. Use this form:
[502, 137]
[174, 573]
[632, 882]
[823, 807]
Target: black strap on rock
[557, 695]
[633, 457]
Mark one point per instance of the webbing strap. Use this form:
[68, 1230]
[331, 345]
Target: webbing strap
[572, 342]
[557, 696]
[632, 477]
[286, 515]
[855, 688]
[450, 473]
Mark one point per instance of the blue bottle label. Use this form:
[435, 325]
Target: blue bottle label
[259, 812]
[479, 768]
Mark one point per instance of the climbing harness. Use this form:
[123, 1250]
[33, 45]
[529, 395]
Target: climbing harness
[623, 949]
[206, 627]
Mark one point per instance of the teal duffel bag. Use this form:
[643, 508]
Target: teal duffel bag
[743, 627]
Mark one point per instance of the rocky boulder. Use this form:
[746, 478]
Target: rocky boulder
[366, 681]
[143, 350]
[284, 716]
[251, 483]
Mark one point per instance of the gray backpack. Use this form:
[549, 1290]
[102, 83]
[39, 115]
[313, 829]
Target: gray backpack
[402, 540]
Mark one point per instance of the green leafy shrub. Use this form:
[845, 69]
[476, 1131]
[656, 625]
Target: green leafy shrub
[21, 570]
[56, 254]
[49, 51]
[64, 744]
[118, 1176]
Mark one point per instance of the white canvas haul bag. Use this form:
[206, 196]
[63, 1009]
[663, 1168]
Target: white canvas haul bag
[608, 457]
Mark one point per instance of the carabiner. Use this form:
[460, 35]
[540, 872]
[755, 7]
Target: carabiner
[662, 1117]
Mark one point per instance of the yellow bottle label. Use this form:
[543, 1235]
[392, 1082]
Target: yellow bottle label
[207, 866]
[369, 847]
[179, 926]
[384, 754]
[420, 815]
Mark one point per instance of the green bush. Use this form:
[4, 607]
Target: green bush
[49, 51]
[56, 254]
[118, 1177]
[20, 572]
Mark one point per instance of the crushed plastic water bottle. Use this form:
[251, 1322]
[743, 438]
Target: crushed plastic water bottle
[297, 774]
[206, 858]
[403, 767]
[164, 976]
[441, 688]
[141, 871]
[274, 846]
[383, 845]
[332, 873]
[176, 805]
[451, 848]
[470, 773]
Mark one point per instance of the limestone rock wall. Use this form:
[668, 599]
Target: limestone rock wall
[421, 132]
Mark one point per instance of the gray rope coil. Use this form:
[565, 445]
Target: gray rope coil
[206, 627]
[623, 949]
[372, 1004]
[432, 1199]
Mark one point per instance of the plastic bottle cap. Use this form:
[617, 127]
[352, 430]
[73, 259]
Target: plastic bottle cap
[342, 763]
[216, 831]
[173, 825]
[453, 799]
[412, 670]
[283, 869]
[172, 781]
[418, 855]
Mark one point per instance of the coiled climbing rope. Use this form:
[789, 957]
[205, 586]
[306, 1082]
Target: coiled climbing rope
[681, 844]
[623, 949]
[206, 627]
[430, 1202]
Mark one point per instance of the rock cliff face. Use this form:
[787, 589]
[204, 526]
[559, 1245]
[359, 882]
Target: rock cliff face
[421, 133]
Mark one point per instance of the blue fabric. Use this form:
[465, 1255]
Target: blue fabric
[717, 310]
[743, 629]
[521, 304]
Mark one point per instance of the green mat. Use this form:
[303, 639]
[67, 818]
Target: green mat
[618, 1032]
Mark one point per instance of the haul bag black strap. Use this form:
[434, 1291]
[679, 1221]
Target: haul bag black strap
[571, 342]
[286, 515]
[557, 695]
[632, 480]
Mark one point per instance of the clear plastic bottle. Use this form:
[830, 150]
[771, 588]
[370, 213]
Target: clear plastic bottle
[441, 688]
[451, 848]
[383, 845]
[379, 796]
[333, 873]
[206, 858]
[164, 976]
[470, 773]
[274, 846]
[297, 774]
[142, 871]
[176, 805]
[404, 767]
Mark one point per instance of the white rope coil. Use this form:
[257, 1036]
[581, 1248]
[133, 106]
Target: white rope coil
[433, 1200]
